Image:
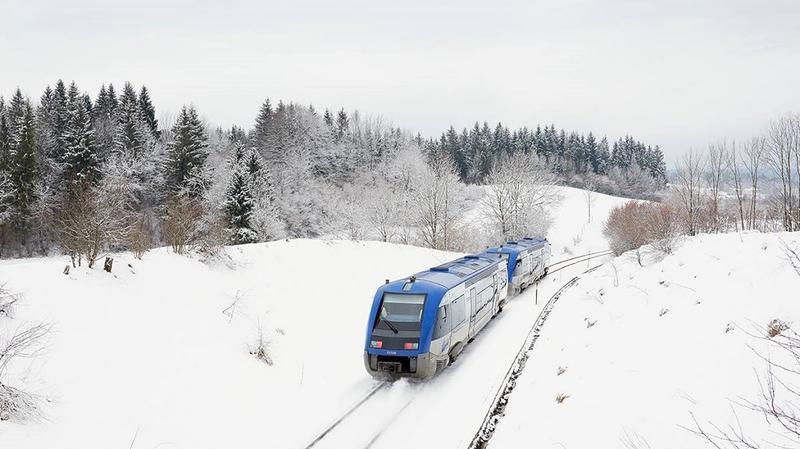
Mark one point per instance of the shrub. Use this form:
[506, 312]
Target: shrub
[636, 223]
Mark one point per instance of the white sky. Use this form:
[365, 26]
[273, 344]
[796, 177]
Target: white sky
[676, 73]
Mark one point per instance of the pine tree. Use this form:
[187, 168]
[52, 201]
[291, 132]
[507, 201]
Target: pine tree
[148, 112]
[186, 155]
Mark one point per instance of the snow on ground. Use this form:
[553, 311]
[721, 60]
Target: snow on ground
[669, 339]
[159, 349]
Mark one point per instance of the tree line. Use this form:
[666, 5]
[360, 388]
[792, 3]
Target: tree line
[84, 174]
[581, 160]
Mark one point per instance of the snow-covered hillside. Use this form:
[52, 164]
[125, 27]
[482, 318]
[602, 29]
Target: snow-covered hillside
[642, 348]
[158, 350]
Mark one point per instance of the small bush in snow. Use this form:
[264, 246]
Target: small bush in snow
[260, 349]
[561, 370]
[561, 397]
[7, 302]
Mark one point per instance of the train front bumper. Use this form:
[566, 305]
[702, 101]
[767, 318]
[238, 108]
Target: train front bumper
[421, 366]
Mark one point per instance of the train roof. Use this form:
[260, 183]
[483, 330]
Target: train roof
[444, 276]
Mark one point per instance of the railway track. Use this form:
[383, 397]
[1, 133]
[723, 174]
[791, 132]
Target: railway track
[507, 384]
[503, 394]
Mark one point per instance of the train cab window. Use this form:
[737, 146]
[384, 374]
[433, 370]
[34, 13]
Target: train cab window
[402, 311]
[442, 326]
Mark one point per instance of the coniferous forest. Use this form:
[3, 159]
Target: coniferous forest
[84, 174]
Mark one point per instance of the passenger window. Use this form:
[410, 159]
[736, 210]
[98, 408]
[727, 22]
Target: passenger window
[457, 311]
[442, 326]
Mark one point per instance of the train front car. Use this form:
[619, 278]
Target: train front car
[419, 324]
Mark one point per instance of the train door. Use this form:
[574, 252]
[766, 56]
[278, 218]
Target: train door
[460, 323]
[472, 325]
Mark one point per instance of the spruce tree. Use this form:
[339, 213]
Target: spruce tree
[342, 125]
[130, 137]
[186, 155]
[148, 112]
[262, 132]
[80, 161]
[239, 206]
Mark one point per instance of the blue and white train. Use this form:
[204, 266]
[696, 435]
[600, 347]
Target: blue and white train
[420, 324]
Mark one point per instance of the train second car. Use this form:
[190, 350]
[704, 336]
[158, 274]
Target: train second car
[419, 325]
[527, 260]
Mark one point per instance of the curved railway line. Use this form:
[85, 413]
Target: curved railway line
[506, 387]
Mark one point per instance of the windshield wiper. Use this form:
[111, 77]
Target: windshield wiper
[391, 326]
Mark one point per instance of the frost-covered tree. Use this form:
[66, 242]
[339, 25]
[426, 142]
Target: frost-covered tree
[518, 189]
[186, 155]
[437, 203]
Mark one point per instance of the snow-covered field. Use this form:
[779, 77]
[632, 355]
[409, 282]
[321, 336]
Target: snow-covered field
[673, 338]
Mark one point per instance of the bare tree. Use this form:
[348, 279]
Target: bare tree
[89, 219]
[736, 175]
[753, 156]
[179, 224]
[689, 175]
[519, 187]
[590, 197]
[783, 147]
[717, 155]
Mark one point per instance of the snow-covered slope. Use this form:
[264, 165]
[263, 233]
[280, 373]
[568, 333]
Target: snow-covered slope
[159, 349]
[666, 340]
[150, 348]
[573, 230]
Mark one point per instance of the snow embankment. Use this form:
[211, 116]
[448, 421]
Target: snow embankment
[160, 349]
[633, 352]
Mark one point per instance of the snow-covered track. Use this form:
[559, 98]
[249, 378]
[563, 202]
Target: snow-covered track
[347, 413]
[561, 264]
[496, 410]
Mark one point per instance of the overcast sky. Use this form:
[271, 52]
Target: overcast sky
[676, 73]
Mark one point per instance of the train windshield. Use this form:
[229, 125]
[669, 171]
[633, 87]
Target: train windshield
[402, 311]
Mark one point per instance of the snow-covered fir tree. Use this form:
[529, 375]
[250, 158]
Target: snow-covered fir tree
[131, 132]
[148, 112]
[80, 161]
[238, 207]
[186, 155]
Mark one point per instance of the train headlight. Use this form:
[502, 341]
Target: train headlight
[411, 346]
[376, 344]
